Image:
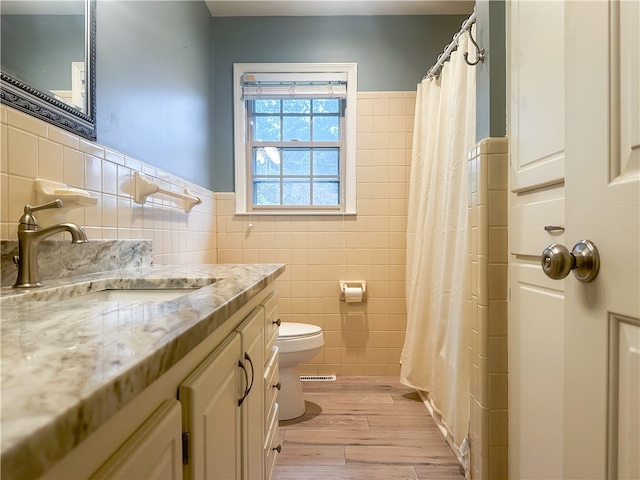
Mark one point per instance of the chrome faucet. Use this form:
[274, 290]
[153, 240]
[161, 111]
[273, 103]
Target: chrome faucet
[29, 237]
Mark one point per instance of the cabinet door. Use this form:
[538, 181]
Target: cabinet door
[211, 415]
[154, 451]
[251, 332]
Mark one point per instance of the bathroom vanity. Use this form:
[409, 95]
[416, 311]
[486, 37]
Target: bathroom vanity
[135, 384]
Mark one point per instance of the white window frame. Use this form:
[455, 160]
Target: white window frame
[348, 202]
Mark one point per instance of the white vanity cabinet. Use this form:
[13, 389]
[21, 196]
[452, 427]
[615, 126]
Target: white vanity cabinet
[153, 452]
[213, 415]
[228, 406]
[271, 383]
[222, 408]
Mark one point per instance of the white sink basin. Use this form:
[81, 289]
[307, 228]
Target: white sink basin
[134, 295]
[112, 290]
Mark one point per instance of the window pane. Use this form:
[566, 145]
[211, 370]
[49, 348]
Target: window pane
[296, 192]
[296, 106]
[326, 193]
[266, 192]
[266, 161]
[326, 105]
[326, 161]
[296, 128]
[266, 106]
[266, 129]
[296, 161]
[326, 129]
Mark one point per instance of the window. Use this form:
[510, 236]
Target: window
[295, 138]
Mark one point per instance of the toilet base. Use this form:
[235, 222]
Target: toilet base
[290, 399]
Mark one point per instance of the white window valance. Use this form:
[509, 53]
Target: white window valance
[294, 85]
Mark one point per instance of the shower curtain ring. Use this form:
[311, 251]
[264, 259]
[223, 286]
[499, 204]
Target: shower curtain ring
[479, 52]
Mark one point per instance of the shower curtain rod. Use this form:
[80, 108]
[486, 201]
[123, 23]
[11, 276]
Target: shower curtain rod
[444, 56]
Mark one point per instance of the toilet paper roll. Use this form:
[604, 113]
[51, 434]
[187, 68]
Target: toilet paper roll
[353, 294]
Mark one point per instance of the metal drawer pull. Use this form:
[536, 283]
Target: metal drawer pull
[277, 322]
[554, 228]
[253, 373]
[246, 379]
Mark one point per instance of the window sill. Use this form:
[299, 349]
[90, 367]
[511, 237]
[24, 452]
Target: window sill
[295, 213]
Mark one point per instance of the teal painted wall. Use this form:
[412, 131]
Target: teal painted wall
[164, 72]
[491, 97]
[393, 54]
[154, 69]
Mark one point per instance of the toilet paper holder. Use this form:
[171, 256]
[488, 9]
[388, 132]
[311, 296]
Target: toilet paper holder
[344, 284]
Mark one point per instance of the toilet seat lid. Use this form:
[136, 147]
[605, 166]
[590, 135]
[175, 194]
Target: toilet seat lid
[293, 329]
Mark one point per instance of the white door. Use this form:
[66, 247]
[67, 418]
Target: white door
[574, 348]
[602, 318]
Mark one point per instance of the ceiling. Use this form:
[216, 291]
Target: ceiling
[261, 8]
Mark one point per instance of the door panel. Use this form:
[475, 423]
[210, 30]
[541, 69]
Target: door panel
[536, 77]
[535, 379]
[624, 396]
[625, 45]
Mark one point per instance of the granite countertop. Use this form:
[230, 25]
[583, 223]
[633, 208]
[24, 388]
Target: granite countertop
[68, 366]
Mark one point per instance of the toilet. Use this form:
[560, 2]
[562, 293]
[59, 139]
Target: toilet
[297, 343]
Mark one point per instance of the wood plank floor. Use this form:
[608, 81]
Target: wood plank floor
[363, 428]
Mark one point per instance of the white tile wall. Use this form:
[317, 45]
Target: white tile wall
[31, 149]
[360, 339]
[488, 167]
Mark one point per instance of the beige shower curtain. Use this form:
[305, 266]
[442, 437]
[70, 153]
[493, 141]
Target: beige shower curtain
[435, 358]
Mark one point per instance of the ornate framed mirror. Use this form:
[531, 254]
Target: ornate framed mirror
[48, 61]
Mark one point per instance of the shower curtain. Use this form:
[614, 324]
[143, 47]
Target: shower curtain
[435, 358]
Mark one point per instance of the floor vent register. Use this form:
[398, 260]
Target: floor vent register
[318, 378]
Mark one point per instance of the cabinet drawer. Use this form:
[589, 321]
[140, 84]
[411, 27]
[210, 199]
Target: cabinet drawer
[272, 445]
[271, 321]
[270, 337]
[271, 418]
[271, 384]
[527, 234]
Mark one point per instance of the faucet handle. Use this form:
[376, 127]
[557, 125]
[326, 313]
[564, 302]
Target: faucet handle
[57, 203]
[30, 220]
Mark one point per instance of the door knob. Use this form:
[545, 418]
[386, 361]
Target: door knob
[583, 260]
